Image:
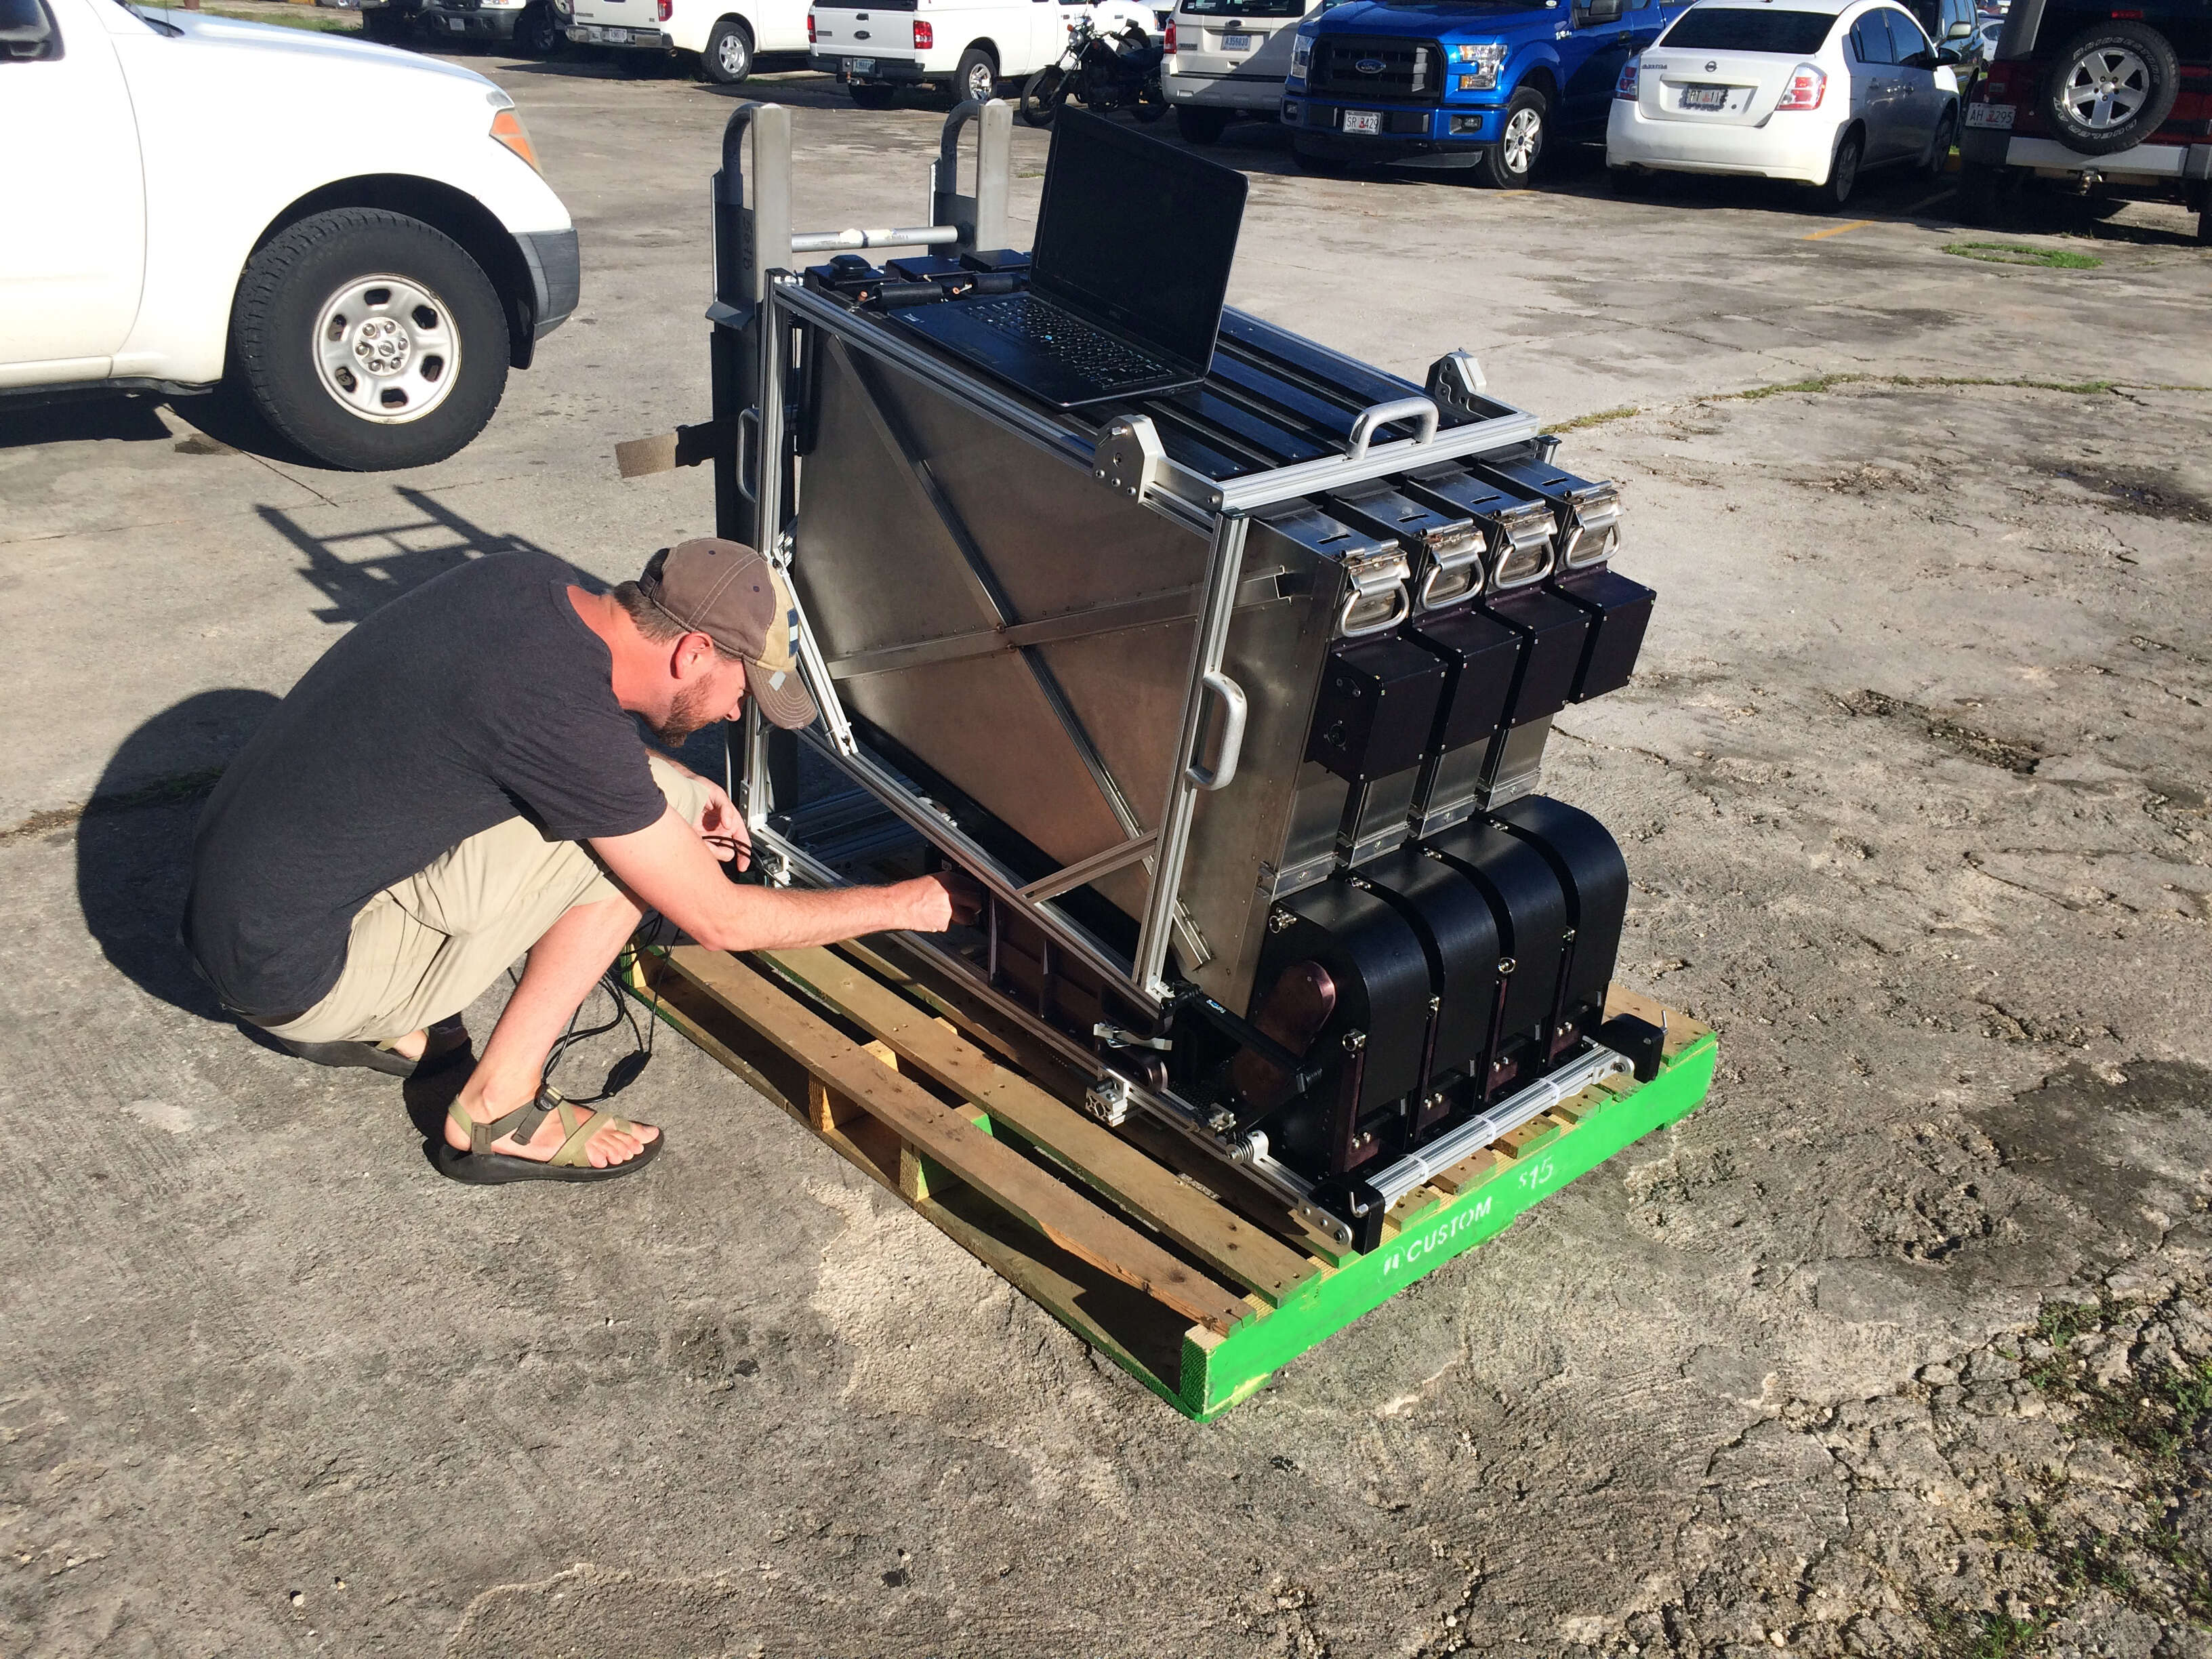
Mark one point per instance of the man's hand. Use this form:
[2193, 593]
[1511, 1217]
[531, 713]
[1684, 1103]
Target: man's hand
[722, 827]
[941, 900]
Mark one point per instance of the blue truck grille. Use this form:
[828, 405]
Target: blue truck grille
[1377, 67]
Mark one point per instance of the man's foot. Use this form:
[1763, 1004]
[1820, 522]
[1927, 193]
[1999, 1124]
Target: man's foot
[610, 1146]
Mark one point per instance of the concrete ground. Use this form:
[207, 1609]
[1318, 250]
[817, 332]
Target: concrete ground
[1896, 1346]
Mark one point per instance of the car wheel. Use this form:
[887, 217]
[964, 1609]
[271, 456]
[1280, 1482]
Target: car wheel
[381, 24]
[1202, 126]
[977, 77]
[369, 339]
[874, 97]
[1939, 147]
[1843, 173]
[536, 33]
[2112, 87]
[729, 55]
[1510, 163]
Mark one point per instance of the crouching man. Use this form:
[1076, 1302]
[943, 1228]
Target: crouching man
[458, 781]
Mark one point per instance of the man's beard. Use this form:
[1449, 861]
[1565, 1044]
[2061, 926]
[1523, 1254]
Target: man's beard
[686, 715]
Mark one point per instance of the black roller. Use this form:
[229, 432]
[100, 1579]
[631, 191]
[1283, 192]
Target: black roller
[1531, 911]
[1460, 935]
[1594, 878]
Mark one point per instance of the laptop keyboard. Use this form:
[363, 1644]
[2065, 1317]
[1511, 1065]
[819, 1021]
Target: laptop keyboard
[1051, 333]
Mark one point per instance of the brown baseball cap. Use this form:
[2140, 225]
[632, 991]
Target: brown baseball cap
[737, 598]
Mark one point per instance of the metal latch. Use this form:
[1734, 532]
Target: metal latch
[1128, 458]
[1374, 600]
[1453, 567]
[1592, 532]
[1524, 554]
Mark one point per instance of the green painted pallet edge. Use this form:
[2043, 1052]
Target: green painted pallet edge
[1219, 1372]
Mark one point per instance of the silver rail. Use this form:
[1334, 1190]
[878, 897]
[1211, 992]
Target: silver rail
[1502, 1119]
[838, 241]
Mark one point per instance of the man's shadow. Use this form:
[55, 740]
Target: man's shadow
[134, 841]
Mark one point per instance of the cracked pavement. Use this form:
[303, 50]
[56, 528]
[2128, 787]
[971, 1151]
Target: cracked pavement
[1914, 785]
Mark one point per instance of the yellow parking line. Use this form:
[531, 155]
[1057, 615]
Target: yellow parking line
[1838, 230]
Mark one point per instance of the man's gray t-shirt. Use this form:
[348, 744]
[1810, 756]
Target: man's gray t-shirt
[478, 696]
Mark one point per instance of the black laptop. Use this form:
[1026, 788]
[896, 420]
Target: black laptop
[1134, 244]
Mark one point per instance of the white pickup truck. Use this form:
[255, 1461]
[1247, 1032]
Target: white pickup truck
[724, 34]
[358, 237]
[967, 47]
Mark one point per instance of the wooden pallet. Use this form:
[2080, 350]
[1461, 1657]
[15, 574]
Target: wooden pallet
[1196, 1281]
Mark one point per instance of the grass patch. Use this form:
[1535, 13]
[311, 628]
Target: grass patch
[286, 19]
[1601, 418]
[1983, 1635]
[2020, 253]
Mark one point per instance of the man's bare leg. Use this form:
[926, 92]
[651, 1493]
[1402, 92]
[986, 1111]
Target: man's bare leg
[563, 966]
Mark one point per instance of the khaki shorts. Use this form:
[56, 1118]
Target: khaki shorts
[427, 947]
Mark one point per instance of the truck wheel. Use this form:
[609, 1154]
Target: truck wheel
[977, 77]
[2112, 86]
[1202, 126]
[369, 339]
[536, 33]
[1510, 163]
[729, 55]
[1979, 188]
[383, 25]
[873, 97]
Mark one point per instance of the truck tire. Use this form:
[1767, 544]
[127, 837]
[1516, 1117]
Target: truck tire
[865, 96]
[2113, 86]
[536, 32]
[1510, 163]
[383, 25]
[977, 77]
[1201, 126]
[729, 55]
[369, 339]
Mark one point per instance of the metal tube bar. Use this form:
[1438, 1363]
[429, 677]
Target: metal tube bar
[1224, 564]
[1098, 865]
[832, 241]
[1502, 1119]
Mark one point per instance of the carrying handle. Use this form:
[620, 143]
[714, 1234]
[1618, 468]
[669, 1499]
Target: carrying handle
[1422, 411]
[748, 485]
[1230, 696]
[1400, 607]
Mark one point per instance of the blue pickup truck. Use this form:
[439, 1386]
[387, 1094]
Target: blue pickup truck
[1459, 83]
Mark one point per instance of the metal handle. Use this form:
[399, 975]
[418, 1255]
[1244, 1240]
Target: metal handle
[746, 487]
[1422, 411]
[1469, 568]
[1401, 606]
[1230, 696]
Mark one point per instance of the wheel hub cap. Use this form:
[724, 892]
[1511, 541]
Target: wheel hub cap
[2107, 88]
[386, 349]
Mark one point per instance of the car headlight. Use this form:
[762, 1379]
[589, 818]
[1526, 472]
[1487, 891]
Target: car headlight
[1301, 52]
[1487, 58]
[507, 128]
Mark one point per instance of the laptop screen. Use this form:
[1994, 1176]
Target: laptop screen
[1139, 233]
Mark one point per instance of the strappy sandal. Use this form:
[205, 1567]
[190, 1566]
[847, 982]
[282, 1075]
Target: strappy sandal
[447, 1038]
[483, 1167]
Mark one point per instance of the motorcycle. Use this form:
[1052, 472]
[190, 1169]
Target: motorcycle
[1112, 62]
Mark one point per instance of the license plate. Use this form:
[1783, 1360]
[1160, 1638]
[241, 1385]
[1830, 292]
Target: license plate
[859, 66]
[616, 37]
[1236, 42]
[1705, 97]
[1362, 121]
[1989, 115]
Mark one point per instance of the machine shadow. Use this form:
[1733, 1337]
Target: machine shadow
[361, 571]
[134, 840]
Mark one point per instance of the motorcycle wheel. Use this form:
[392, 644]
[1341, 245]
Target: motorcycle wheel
[1042, 95]
[1148, 108]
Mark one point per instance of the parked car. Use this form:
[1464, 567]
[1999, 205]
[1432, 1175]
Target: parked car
[534, 27]
[1817, 94]
[358, 237]
[2098, 100]
[1487, 84]
[967, 48]
[723, 36]
[1227, 60]
[1953, 25]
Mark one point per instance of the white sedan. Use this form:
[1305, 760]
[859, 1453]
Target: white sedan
[1812, 90]
[356, 236]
